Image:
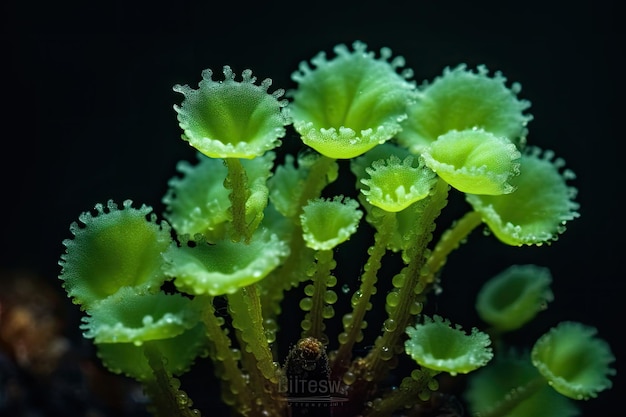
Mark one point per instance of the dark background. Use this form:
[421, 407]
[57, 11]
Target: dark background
[87, 116]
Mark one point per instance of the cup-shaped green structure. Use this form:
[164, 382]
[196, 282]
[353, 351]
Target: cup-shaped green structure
[124, 323]
[328, 222]
[395, 184]
[129, 316]
[505, 382]
[573, 360]
[514, 296]
[474, 161]
[224, 266]
[198, 202]
[115, 248]
[537, 211]
[436, 344]
[387, 195]
[462, 99]
[347, 105]
[232, 119]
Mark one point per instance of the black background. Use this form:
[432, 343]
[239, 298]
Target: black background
[87, 116]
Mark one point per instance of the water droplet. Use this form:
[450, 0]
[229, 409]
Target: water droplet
[356, 297]
[424, 395]
[309, 290]
[393, 298]
[433, 385]
[181, 398]
[398, 280]
[390, 325]
[330, 297]
[349, 378]
[345, 288]
[147, 320]
[306, 304]
[416, 308]
[386, 353]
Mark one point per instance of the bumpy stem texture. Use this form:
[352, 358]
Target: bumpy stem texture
[234, 390]
[450, 240]
[245, 309]
[361, 299]
[167, 399]
[292, 271]
[237, 182]
[401, 302]
[319, 309]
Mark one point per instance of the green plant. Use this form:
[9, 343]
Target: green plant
[246, 226]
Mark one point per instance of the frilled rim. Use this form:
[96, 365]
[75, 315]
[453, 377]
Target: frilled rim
[198, 202]
[574, 361]
[461, 99]
[537, 211]
[395, 184]
[223, 267]
[232, 119]
[514, 296]
[131, 317]
[114, 248]
[474, 161]
[348, 104]
[327, 223]
[511, 372]
[436, 344]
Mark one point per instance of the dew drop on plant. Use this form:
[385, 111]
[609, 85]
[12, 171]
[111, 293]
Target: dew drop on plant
[309, 290]
[349, 378]
[390, 325]
[330, 297]
[306, 304]
[392, 299]
[386, 353]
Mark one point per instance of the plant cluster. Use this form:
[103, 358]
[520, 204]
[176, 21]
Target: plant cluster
[243, 229]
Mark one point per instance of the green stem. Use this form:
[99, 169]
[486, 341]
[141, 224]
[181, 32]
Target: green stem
[245, 309]
[450, 240]
[411, 283]
[514, 398]
[317, 179]
[166, 397]
[237, 182]
[315, 317]
[226, 363]
[361, 299]
[292, 271]
[411, 390]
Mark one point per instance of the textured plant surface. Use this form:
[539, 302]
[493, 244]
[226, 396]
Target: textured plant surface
[247, 227]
